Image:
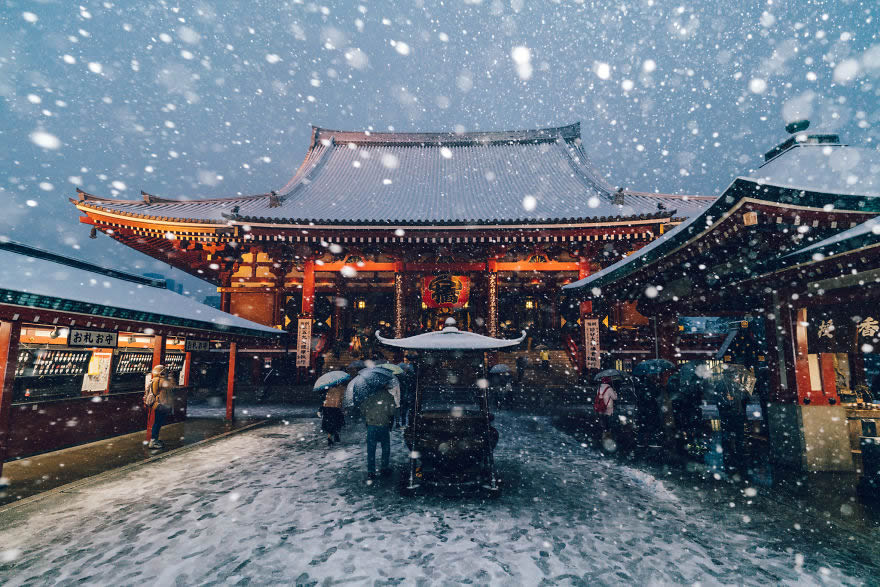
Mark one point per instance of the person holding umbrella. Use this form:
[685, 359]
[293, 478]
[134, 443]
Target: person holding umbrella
[332, 416]
[379, 411]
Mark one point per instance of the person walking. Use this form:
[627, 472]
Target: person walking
[521, 363]
[545, 360]
[604, 406]
[379, 411]
[332, 416]
[158, 399]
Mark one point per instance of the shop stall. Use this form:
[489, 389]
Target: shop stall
[77, 342]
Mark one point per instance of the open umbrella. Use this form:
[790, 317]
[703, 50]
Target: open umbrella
[356, 365]
[499, 368]
[395, 370]
[407, 367]
[608, 373]
[331, 379]
[653, 367]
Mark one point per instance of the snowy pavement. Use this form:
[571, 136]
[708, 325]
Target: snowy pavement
[275, 505]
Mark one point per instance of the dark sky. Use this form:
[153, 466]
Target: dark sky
[198, 98]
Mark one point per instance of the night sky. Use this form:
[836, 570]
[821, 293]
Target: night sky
[211, 99]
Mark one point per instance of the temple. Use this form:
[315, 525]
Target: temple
[398, 231]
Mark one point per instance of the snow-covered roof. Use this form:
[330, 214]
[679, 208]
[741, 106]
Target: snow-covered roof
[450, 339]
[32, 277]
[838, 169]
[529, 176]
[818, 177]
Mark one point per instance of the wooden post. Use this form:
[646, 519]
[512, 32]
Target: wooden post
[230, 383]
[9, 336]
[492, 293]
[667, 336]
[158, 357]
[338, 326]
[779, 356]
[801, 360]
[398, 301]
[308, 290]
[187, 364]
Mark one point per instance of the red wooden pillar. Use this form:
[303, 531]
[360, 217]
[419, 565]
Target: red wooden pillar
[492, 293]
[9, 336]
[801, 361]
[308, 297]
[230, 383]
[158, 358]
[187, 364]
[338, 326]
[308, 291]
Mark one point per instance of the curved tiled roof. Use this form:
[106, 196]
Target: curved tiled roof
[431, 179]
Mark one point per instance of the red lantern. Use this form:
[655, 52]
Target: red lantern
[445, 291]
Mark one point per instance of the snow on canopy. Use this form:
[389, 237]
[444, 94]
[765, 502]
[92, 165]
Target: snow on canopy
[26, 270]
[527, 176]
[838, 169]
[866, 233]
[450, 339]
[847, 176]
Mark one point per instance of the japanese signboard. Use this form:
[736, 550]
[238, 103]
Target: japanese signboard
[591, 336]
[445, 291]
[195, 345]
[303, 342]
[839, 329]
[92, 338]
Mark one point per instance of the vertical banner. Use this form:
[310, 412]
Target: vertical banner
[303, 342]
[591, 339]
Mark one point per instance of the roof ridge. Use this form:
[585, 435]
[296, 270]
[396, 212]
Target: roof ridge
[664, 195]
[568, 132]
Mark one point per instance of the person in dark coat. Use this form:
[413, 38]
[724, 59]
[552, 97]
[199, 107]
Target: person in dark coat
[521, 363]
[407, 381]
[648, 406]
[379, 411]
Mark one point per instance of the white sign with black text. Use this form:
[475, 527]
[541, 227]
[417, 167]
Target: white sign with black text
[303, 342]
[92, 338]
[591, 337]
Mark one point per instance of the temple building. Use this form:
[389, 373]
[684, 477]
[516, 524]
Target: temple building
[399, 231]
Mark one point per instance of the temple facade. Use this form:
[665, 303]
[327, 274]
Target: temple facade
[398, 231]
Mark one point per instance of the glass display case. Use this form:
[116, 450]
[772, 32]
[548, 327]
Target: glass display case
[44, 373]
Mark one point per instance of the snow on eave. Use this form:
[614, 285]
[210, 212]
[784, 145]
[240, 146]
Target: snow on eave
[49, 275]
[450, 339]
[823, 168]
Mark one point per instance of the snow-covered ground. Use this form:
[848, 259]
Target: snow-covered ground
[275, 505]
[252, 411]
